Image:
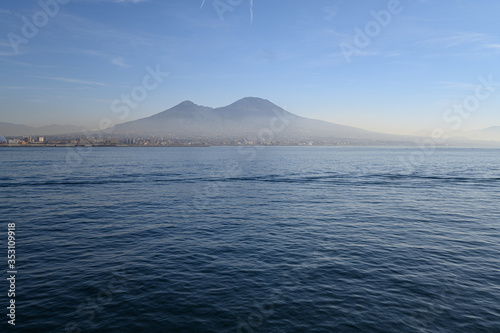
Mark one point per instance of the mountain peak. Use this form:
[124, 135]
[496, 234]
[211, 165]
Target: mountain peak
[187, 103]
[184, 109]
[253, 101]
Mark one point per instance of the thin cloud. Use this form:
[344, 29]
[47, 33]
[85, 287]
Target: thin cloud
[120, 62]
[105, 33]
[7, 50]
[456, 85]
[117, 61]
[70, 80]
[460, 39]
[7, 54]
[25, 88]
[23, 63]
[493, 46]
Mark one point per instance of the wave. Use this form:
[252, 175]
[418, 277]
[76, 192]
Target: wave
[357, 177]
[351, 178]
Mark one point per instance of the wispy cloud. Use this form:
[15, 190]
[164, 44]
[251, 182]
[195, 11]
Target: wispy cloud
[462, 44]
[456, 85]
[7, 54]
[6, 50]
[459, 39]
[114, 39]
[338, 58]
[24, 88]
[23, 63]
[120, 62]
[71, 80]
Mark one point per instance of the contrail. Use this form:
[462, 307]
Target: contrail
[251, 11]
[202, 4]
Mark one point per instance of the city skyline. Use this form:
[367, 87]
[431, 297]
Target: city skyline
[386, 66]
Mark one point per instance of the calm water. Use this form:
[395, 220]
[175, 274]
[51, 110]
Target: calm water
[280, 239]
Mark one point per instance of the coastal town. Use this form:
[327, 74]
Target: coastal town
[95, 141]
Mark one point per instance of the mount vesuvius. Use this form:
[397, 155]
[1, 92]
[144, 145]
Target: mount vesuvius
[248, 118]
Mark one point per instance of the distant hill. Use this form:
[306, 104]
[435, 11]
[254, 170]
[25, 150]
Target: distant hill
[485, 134]
[490, 133]
[8, 129]
[249, 117]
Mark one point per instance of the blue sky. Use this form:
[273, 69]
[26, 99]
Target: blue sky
[418, 62]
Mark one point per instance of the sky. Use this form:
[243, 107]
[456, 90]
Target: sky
[390, 66]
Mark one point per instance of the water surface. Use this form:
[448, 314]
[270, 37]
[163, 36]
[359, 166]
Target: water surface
[278, 239]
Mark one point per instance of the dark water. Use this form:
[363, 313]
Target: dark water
[278, 239]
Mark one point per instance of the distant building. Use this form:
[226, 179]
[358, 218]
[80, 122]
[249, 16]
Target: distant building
[41, 139]
[3, 140]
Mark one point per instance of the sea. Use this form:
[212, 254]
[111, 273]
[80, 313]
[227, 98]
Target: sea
[251, 239]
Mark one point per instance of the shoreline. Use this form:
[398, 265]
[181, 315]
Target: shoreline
[88, 146]
[207, 146]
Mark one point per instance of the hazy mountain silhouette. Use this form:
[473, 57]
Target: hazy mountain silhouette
[490, 133]
[8, 129]
[485, 134]
[247, 117]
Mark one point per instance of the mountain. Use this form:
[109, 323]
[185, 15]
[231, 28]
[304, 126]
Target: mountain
[485, 134]
[247, 118]
[490, 133]
[8, 129]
